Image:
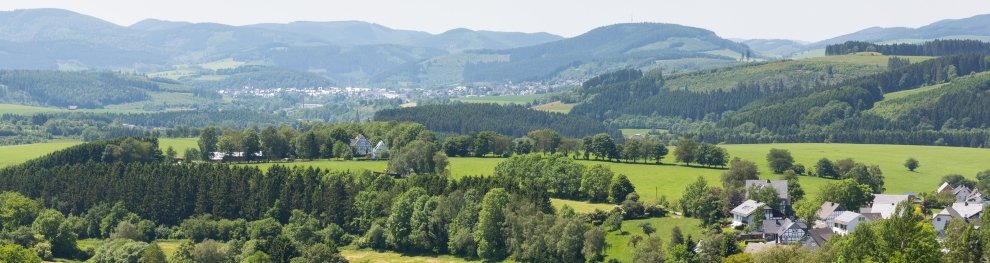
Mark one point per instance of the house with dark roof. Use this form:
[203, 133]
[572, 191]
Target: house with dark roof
[969, 212]
[361, 145]
[784, 231]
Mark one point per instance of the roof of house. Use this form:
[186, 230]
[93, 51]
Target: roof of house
[872, 216]
[945, 186]
[821, 235]
[847, 217]
[747, 208]
[885, 204]
[975, 196]
[963, 210]
[380, 144]
[359, 138]
[779, 185]
[959, 189]
[781, 225]
[827, 209]
[757, 247]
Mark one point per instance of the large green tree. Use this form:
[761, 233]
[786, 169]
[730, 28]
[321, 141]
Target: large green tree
[779, 160]
[488, 235]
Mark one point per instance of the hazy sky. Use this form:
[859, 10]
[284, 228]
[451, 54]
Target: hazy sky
[791, 19]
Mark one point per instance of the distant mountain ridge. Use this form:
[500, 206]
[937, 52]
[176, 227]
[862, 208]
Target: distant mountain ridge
[976, 27]
[352, 50]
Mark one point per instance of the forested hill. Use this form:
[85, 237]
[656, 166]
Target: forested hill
[509, 120]
[821, 111]
[82, 89]
[636, 45]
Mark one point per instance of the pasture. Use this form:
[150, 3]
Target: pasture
[556, 106]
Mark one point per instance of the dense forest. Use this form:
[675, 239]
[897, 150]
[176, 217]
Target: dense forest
[123, 190]
[64, 88]
[937, 48]
[509, 120]
[830, 112]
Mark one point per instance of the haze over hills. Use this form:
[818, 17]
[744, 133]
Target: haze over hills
[361, 53]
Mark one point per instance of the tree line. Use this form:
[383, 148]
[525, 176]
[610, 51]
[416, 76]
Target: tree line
[510, 120]
[87, 89]
[938, 48]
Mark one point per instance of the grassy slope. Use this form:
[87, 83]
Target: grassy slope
[843, 67]
[371, 256]
[899, 103]
[555, 106]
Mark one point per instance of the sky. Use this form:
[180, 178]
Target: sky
[749, 19]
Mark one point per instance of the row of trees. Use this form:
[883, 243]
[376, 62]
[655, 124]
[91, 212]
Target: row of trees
[311, 141]
[936, 47]
[510, 120]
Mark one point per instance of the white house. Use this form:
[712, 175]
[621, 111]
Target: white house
[970, 212]
[961, 192]
[884, 204]
[380, 150]
[743, 214]
[846, 221]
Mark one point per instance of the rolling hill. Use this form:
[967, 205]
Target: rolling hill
[976, 27]
[348, 52]
[639, 45]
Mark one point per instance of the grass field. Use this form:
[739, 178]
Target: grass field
[179, 144]
[556, 106]
[27, 110]
[619, 240]
[518, 99]
[580, 206]
[371, 256]
[15, 154]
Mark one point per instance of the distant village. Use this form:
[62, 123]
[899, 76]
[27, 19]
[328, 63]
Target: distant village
[524, 88]
[774, 226]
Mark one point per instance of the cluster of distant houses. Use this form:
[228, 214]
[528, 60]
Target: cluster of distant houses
[780, 226]
[361, 147]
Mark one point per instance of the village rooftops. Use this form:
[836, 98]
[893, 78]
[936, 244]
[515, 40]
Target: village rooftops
[963, 210]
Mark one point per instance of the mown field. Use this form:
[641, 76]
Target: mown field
[556, 106]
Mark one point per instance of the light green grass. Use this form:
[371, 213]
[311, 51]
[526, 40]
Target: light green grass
[580, 206]
[27, 110]
[619, 240]
[15, 154]
[936, 161]
[179, 144]
[556, 106]
[503, 100]
[371, 256]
